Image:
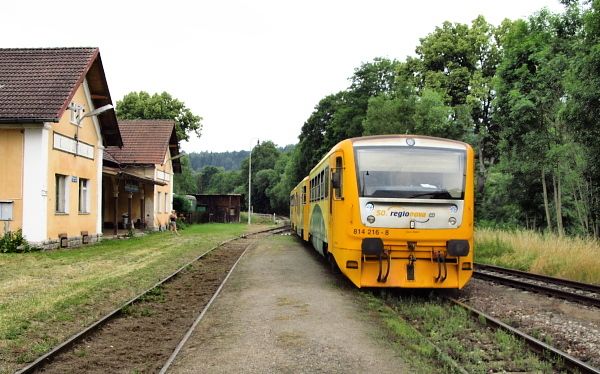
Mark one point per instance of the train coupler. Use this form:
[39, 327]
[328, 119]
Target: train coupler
[442, 268]
[410, 267]
[374, 247]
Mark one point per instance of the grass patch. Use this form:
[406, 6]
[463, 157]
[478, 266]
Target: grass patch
[565, 257]
[413, 347]
[442, 336]
[258, 219]
[45, 297]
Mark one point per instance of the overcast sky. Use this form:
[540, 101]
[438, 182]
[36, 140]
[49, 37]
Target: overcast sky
[251, 69]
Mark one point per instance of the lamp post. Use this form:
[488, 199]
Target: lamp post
[79, 109]
[250, 180]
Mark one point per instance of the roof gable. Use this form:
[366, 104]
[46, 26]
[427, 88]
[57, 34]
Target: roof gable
[146, 142]
[37, 85]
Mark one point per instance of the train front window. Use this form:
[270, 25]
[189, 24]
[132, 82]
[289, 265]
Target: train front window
[410, 172]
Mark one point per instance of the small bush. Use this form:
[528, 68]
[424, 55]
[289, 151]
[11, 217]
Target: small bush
[181, 225]
[182, 204]
[489, 250]
[12, 242]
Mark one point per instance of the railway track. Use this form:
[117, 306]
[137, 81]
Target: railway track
[74, 349]
[587, 294]
[472, 336]
[571, 363]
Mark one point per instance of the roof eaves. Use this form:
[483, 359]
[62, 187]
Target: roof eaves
[28, 120]
[78, 83]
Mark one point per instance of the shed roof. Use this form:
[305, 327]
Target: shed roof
[37, 85]
[145, 142]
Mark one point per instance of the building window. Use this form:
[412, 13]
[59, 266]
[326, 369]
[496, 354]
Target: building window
[167, 208]
[6, 210]
[62, 194]
[71, 145]
[158, 203]
[84, 195]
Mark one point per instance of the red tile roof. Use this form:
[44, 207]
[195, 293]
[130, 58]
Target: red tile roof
[37, 85]
[145, 142]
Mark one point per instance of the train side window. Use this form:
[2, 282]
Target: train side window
[336, 179]
[303, 195]
[326, 185]
[319, 186]
[323, 184]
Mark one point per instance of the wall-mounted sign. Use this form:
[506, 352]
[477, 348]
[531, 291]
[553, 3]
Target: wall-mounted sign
[131, 188]
[74, 179]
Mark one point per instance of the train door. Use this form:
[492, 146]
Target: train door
[305, 209]
[336, 200]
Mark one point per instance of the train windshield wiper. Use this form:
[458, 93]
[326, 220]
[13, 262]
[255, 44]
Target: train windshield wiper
[433, 194]
[362, 189]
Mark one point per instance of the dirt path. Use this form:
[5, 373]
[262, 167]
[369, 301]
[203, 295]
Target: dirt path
[283, 312]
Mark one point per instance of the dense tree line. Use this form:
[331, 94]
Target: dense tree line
[226, 160]
[524, 94]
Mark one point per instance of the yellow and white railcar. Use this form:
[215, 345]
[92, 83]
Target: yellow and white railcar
[392, 211]
[299, 208]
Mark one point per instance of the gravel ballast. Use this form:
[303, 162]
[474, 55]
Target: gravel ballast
[282, 311]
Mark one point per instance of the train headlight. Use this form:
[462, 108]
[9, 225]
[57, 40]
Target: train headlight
[370, 219]
[410, 142]
[452, 221]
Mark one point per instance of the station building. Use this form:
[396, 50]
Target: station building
[138, 177]
[68, 169]
[52, 153]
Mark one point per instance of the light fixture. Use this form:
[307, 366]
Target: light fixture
[94, 112]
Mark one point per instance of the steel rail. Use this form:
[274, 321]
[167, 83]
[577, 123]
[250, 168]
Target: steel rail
[47, 357]
[538, 346]
[189, 332]
[551, 291]
[544, 278]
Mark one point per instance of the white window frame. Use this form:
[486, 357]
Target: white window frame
[61, 180]
[84, 195]
[6, 210]
[163, 175]
[158, 202]
[70, 145]
[167, 203]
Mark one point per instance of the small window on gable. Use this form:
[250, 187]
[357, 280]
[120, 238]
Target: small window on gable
[6, 210]
[76, 111]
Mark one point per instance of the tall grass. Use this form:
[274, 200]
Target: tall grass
[564, 257]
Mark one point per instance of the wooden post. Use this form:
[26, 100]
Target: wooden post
[143, 207]
[129, 207]
[115, 187]
[115, 218]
